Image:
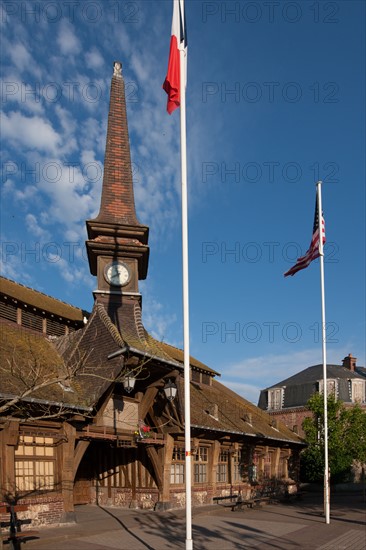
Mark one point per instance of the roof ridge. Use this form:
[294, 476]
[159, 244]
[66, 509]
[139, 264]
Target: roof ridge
[141, 331]
[111, 327]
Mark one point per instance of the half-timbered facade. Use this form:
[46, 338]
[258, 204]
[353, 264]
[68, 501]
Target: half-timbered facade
[74, 429]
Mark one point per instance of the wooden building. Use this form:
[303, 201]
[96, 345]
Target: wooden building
[74, 427]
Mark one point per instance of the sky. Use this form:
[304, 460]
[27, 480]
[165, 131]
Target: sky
[275, 102]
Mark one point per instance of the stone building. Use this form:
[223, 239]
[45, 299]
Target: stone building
[286, 401]
[88, 414]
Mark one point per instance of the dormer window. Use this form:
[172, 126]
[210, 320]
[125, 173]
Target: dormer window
[201, 377]
[358, 391]
[332, 387]
[275, 399]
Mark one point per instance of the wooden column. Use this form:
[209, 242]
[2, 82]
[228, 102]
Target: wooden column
[133, 503]
[66, 472]
[275, 467]
[213, 461]
[164, 496]
[9, 439]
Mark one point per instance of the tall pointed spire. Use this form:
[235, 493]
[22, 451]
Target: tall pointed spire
[117, 204]
[115, 233]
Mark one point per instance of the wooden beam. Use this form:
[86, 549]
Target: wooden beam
[157, 465]
[167, 458]
[67, 468]
[79, 452]
[175, 412]
[147, 401]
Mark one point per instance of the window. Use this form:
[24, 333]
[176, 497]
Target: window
[55, 328]
[282, 467]
[357, 391]
[254, 468]
[35, 463]
[237, 467]
[200, 466]
[8, 311]
[267, 466]
[275, 398]
[332, 387]
[222, 467]
[32, 320]
[196, 377]
[177, 466]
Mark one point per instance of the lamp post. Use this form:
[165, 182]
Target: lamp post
[129, 382]
[170, 390]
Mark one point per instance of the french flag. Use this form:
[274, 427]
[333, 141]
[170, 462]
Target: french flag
[178, 42]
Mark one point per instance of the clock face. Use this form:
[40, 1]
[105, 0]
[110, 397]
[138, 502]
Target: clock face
[117, 274]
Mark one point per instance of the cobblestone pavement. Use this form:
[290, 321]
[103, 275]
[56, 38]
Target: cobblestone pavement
[296, 525]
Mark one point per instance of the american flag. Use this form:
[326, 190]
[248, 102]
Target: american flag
[313, 251]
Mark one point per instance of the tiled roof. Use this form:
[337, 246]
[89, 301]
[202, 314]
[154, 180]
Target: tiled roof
[39, 300]
[127, 323]
[301, 386]
[314, 373]
[178, 355]
[213, 407]
[29, 360]
[218, 408]
[87, 351]
[361, 371]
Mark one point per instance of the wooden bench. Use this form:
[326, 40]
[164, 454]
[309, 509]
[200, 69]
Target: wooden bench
[265, 494]
[241, 503]
[15, 535]
[231, 498]
[236, 502]
[297, 495]
[259, 495]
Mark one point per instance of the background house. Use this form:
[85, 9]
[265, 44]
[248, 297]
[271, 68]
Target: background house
[286, 400]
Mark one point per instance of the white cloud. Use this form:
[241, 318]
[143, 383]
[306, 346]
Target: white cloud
[10, 268]
[94, 59]
[67, 40]
[69, 126]
[26, 96]
[26, 194]
[31, 132]
[92, 134]
[70, 194]
[20, 56]
[156, 320]
[249, 392]
[34, 227]
[11, 264]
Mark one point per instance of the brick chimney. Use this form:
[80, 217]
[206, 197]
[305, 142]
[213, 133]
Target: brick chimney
[349, 362]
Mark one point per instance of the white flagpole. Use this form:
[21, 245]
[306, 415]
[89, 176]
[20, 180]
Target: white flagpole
[324, 349]
[187, 399]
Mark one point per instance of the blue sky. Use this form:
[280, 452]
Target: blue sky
[275, 101]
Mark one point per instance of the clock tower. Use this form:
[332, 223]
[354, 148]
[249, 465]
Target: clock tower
[117, 243]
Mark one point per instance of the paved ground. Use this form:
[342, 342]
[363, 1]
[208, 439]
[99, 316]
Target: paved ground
[288, 526]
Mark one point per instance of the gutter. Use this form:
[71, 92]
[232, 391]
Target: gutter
[244, 434]
[46, 402]
[136, 351]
